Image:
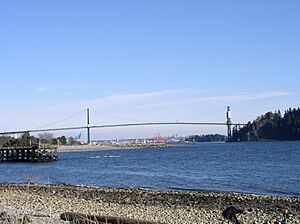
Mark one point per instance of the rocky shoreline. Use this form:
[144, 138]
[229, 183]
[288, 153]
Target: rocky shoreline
[45, 203]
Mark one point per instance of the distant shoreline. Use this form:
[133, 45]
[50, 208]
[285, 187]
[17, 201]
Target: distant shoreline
[84, 148]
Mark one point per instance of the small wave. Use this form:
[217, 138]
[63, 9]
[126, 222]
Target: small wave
[108, 156]
[114, 156]
[283, 193]
[186, 189]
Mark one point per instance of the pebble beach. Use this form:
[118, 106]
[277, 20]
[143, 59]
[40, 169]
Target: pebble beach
[44, 204]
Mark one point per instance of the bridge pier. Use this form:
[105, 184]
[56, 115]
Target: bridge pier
[88, 126]
[229, 124]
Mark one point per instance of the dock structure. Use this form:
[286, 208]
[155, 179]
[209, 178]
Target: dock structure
[39, 153]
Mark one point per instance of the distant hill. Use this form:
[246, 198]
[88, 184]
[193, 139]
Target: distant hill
[271, 126]
[206, 138]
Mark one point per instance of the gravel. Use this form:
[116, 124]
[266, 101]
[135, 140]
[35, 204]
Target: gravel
[44, 203]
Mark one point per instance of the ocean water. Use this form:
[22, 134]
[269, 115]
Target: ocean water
[266, 168]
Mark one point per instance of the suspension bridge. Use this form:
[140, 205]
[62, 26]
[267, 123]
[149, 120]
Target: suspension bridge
[88, 126]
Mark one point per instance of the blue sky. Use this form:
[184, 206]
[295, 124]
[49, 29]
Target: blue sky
[146, 61]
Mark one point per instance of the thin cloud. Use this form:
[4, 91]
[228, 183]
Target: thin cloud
[107, 105]
[142, 96]
[246, 97]
[166, 98]
[120, 100]
[220, 99]
[44, 89]
[133, 98]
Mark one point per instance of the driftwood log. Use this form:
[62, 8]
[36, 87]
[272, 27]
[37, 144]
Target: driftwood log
[79, 218]
[230, 214]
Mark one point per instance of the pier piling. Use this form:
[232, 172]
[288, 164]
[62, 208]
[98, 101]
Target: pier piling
[28, 154]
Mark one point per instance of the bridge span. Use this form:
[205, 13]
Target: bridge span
[116, 125]
[229, 124]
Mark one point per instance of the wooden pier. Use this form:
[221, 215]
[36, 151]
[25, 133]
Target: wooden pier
[40, 153]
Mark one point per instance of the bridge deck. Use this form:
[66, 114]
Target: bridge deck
[120, 125]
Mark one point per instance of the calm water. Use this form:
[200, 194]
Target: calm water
[261, 168]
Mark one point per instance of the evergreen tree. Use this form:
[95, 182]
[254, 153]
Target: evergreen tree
[271, 126]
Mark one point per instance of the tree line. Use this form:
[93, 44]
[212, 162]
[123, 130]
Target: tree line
[28, 140]
[271, 126]
[206, 138]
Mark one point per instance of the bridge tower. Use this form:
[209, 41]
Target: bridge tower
[229, 124]
[88, 126]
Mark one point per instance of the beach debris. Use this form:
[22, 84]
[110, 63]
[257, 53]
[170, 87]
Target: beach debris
[24, 220]
[8, 218]
[230, 214]
[282, 218]
[80, 218]
[5, 217]
[39, 215]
